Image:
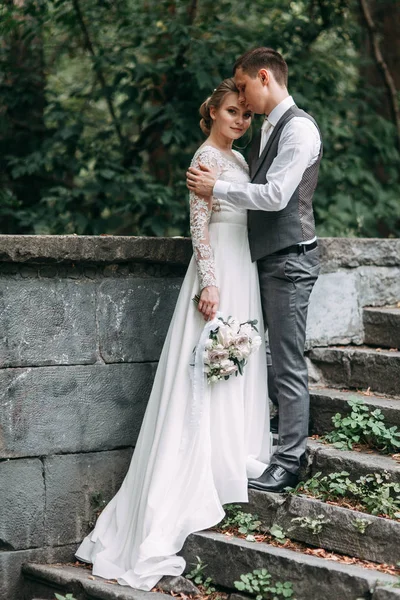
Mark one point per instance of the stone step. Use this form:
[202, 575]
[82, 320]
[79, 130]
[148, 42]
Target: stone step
[359, 367]
[313, 578]
[340, 531]
[382, 326]
[326, 402]
[43, 581]
[327, 459]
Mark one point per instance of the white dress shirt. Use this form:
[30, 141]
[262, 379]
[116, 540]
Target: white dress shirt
[298, 148]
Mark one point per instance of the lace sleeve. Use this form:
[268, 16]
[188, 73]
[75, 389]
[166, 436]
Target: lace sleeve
[200, 213]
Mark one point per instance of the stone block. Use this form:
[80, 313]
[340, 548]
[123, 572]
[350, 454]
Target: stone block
[11, 577]
[328, 459]
[334, 315]
[48, 579]
[134, 316]
[228, 558]
[355, 252]
[72, 409]
[22, 504]
[359, 368]
[386, 593]
[75, 483]
[339, 531]
[47, 322]
[265, 505]
[326, 402]
[382, 326]
[379, 286]
[94, 249]
[178, 585]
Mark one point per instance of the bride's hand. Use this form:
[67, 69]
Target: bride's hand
[209, 302]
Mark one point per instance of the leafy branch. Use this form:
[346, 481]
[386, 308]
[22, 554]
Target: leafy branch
[99, 72]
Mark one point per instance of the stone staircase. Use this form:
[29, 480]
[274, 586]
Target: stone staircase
[353, 569]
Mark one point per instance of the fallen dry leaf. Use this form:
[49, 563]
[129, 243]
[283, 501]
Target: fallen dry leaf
[368, 390]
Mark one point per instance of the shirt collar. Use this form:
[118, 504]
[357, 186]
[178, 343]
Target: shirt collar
[280, 110]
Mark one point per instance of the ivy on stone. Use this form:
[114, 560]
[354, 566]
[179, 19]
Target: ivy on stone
[246, 523]
[374, 493]
[363, 426]
[259, 583]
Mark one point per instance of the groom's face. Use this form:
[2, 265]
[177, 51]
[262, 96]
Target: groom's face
[251, 91]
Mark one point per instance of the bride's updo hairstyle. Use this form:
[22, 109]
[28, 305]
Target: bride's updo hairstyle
[216, 99]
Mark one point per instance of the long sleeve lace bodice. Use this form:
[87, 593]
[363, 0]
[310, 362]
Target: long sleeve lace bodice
[201, 211]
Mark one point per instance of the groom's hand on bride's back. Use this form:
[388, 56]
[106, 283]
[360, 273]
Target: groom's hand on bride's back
[209, 302]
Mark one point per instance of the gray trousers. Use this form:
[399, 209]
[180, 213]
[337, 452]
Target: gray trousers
[286, 283]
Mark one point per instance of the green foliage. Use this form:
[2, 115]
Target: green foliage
[67, 597]
[373, 493]
[277, 533]
[363, 426]
[315, 526]
[198, 576]
[259, 584]
[361, 525]
[100, 110]
[235, 517]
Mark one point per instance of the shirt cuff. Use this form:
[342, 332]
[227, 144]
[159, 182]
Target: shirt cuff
[221, 189]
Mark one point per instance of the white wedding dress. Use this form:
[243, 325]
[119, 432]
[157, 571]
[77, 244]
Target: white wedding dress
[183, 468]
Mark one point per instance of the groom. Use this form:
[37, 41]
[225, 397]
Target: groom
[284, 163]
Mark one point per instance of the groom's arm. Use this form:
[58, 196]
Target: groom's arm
[298, 148]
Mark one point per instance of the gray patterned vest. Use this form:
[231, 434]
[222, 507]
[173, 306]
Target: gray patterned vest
[270, 231]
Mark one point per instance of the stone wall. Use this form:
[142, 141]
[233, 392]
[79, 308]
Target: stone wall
[82, 322]
[355, 273]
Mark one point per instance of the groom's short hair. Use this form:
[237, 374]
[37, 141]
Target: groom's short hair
[263, 58]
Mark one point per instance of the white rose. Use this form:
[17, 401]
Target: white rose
[256, 343]
[229, 370]
[225, 364]
[208, 344]
[225, 336]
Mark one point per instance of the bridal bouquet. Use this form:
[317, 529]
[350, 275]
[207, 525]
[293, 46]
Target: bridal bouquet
[228, 347]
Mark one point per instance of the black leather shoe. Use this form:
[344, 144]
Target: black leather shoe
[274, 424]
[274, 479]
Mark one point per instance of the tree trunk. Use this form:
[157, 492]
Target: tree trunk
[385, 15]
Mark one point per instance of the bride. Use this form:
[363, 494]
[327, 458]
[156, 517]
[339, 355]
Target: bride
[188, 463]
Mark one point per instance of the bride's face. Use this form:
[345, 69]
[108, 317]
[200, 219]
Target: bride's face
[231, 119]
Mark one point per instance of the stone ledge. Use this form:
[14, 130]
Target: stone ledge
[356, 252]
[228, 558]
[339, 532]
[93, 249]
[328, 459]
[335, 252]
[80, 581]
[326, 402]
[359, 368]
[11, 579]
